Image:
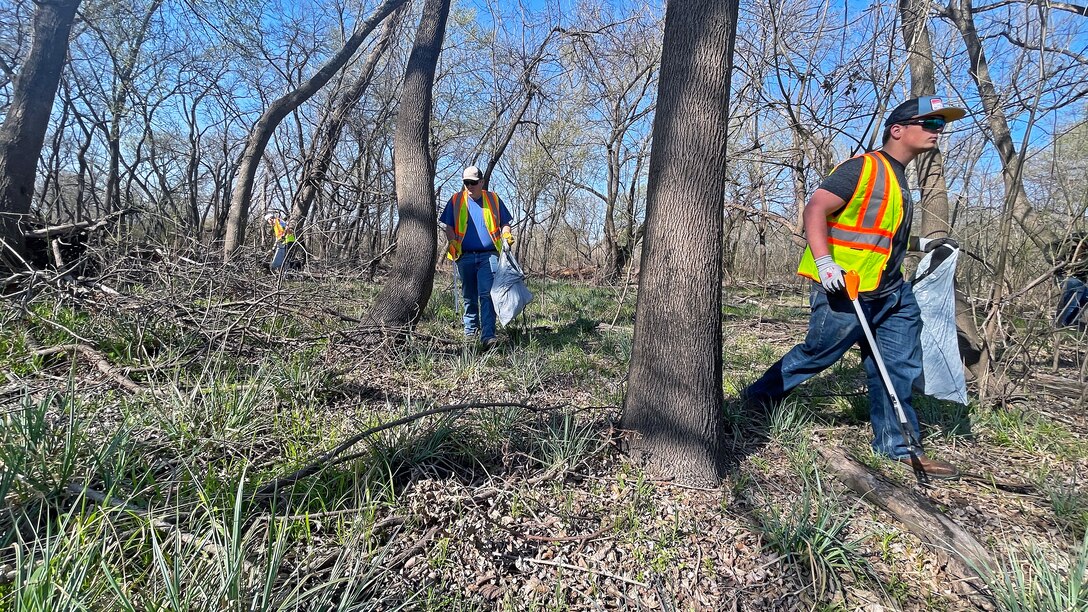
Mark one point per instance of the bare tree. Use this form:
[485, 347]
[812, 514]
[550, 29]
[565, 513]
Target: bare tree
[408, 286]
[674, 390]
[23, 132]
[262, 131]
[317, 164]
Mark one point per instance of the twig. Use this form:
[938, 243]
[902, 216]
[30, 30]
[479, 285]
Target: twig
[99, 360]
[585, 569]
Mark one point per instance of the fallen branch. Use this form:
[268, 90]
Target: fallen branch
[967, 556]
[81, 226]
[99, 361]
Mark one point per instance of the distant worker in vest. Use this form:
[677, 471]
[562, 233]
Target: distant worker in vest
[284, 239]
[860, 219]
[477, 226]
[1072, 275]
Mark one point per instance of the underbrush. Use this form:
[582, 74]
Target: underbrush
[136, 473]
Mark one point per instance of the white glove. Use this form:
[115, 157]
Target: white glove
[830, 274]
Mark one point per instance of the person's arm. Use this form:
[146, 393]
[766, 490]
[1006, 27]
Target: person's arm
[820, 206]
[446, 220]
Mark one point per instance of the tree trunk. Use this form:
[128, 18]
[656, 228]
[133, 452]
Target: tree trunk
[23, 132]
[930, 166]
[674, 391]
[314, 168]
[238, 216]
[406, 290]
[961, 13]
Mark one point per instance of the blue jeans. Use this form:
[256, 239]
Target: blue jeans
[1073, 301]
[833, 328]
[477, 272]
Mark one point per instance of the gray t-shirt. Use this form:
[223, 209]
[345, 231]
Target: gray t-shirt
[843, 181]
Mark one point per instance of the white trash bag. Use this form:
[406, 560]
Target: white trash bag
[509, 293]
[942, 367]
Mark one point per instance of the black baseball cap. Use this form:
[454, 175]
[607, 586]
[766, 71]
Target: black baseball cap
[925, 106]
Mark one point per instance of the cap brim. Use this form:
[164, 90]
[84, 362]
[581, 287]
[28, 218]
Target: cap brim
[949, 114]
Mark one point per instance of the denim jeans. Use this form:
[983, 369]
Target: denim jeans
[1073, 301]
[833, 328]
[477, 272]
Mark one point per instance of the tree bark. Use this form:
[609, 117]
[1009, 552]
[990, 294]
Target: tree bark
[674, 391]
[238, 214]
[23, 132]
[408, 286]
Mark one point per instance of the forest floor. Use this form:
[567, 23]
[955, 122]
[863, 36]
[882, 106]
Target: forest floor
[141, 425]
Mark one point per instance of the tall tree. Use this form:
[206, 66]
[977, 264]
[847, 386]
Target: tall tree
[258, 138]
[936, 221]
[317, 163]
[674, 388]
[23, 132]
[408, 285]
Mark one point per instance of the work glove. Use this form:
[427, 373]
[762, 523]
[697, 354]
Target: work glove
[926, 245]
[508, 237]
[453, 251]
[830, 274]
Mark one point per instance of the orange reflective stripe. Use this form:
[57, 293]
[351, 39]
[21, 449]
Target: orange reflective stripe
[865, 179]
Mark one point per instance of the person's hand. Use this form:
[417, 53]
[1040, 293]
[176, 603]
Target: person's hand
[830, 274]
[453, 251]
[508, 237]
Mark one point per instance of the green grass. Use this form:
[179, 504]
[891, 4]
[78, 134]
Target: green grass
[810, 535]
[1040, 581]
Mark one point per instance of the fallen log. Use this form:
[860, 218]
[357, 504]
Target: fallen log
[963, 555]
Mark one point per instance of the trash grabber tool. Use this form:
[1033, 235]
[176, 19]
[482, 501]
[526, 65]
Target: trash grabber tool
[852, 282]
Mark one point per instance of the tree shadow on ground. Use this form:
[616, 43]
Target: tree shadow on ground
[545, 336]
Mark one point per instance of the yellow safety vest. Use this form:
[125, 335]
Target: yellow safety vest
[860, 235]
[460, 223]
[280, 230]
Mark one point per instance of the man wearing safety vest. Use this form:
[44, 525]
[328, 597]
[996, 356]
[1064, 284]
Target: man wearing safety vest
[284, 238]
[860, 219]
[477, 225]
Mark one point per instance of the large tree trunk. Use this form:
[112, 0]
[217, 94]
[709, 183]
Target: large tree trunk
[23, 132]
[408, 286]
[674, 390]
[262, 131]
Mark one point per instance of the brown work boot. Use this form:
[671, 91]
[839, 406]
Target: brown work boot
[934, 468]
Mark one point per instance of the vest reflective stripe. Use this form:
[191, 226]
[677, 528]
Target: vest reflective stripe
[860, 235]
[460, 225]
[281, 233]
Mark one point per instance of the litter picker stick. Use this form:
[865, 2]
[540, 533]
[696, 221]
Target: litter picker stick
[853, 281]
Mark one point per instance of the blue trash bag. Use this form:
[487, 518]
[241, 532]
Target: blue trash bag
[509, 293]
[942, 367]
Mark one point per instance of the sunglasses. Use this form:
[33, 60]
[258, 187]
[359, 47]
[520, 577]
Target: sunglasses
[470, 182]
[929, 124]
